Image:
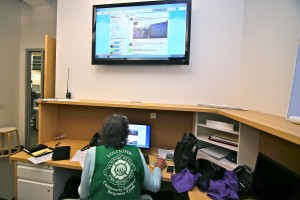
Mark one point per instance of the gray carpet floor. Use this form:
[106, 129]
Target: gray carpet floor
[7, 172]
[6, 179]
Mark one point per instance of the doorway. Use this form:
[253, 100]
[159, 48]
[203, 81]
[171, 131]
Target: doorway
[34, 90]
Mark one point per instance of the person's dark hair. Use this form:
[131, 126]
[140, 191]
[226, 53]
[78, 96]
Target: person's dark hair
[115, 131]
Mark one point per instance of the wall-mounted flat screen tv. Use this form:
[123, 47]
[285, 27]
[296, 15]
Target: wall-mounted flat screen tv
[142, 33]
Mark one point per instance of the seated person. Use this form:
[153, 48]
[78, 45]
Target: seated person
[115, 170]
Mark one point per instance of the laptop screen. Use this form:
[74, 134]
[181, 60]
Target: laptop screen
[272, 181]
[139, 135]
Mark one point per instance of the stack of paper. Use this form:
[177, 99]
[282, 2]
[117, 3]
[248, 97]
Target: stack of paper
[224, 139]
[215, 151]
[79, 157]
[41, 159]
[219, 125]
[163, 153]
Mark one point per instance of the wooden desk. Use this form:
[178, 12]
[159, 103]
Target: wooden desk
[153, 156]
[75, 146]
[196, 194]
[52, 110]
[80, 119]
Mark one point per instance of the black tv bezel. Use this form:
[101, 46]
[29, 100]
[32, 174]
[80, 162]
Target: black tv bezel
[144, 61]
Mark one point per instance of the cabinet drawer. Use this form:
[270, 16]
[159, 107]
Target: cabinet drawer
[35, 173]
[32, 190]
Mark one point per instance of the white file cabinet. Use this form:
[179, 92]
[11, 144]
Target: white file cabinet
[28, 189]
[36, 182]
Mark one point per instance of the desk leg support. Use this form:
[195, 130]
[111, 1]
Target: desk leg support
[15, 180]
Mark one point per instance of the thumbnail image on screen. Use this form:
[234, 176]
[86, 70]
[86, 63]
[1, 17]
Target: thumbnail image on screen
[139, 135]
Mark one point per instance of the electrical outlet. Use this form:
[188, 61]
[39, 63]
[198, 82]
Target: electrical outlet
[152, 115]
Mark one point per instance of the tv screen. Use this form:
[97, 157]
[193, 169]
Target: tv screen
[152, 32]
[272, 181]
[139, 135]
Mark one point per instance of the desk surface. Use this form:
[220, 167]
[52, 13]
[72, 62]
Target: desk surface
[196, 194]
[75, 146]
[78, 144]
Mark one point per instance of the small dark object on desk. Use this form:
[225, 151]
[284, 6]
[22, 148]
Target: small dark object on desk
[146, 158]
[61, 153]
[36, 148]
[85, 148]
[57, 144]
[170, 169]
[245, 177]
[39, 150]
[95, 141]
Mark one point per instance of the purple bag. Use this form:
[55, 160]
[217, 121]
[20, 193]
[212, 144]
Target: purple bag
[184, 181]
[225, 188]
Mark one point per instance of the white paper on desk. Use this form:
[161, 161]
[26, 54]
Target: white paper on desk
[79, 157]
[41, 159]
[163, 152]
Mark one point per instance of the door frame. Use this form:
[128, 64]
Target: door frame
[28, 100]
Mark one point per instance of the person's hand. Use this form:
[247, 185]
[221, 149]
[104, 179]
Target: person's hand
[161, 163]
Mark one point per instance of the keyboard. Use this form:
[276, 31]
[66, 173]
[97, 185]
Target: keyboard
[146, 158]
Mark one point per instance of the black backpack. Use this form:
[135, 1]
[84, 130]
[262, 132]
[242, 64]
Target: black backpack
[185, 152]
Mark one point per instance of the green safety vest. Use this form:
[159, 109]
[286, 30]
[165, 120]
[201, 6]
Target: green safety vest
[118, 174]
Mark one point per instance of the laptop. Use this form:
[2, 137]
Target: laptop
[272, 181]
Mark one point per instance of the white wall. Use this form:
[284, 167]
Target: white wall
[240, 54]
[212, 76]
[271, 35]
[10, 20]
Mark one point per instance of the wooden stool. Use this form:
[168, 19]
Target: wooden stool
[7, 151]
